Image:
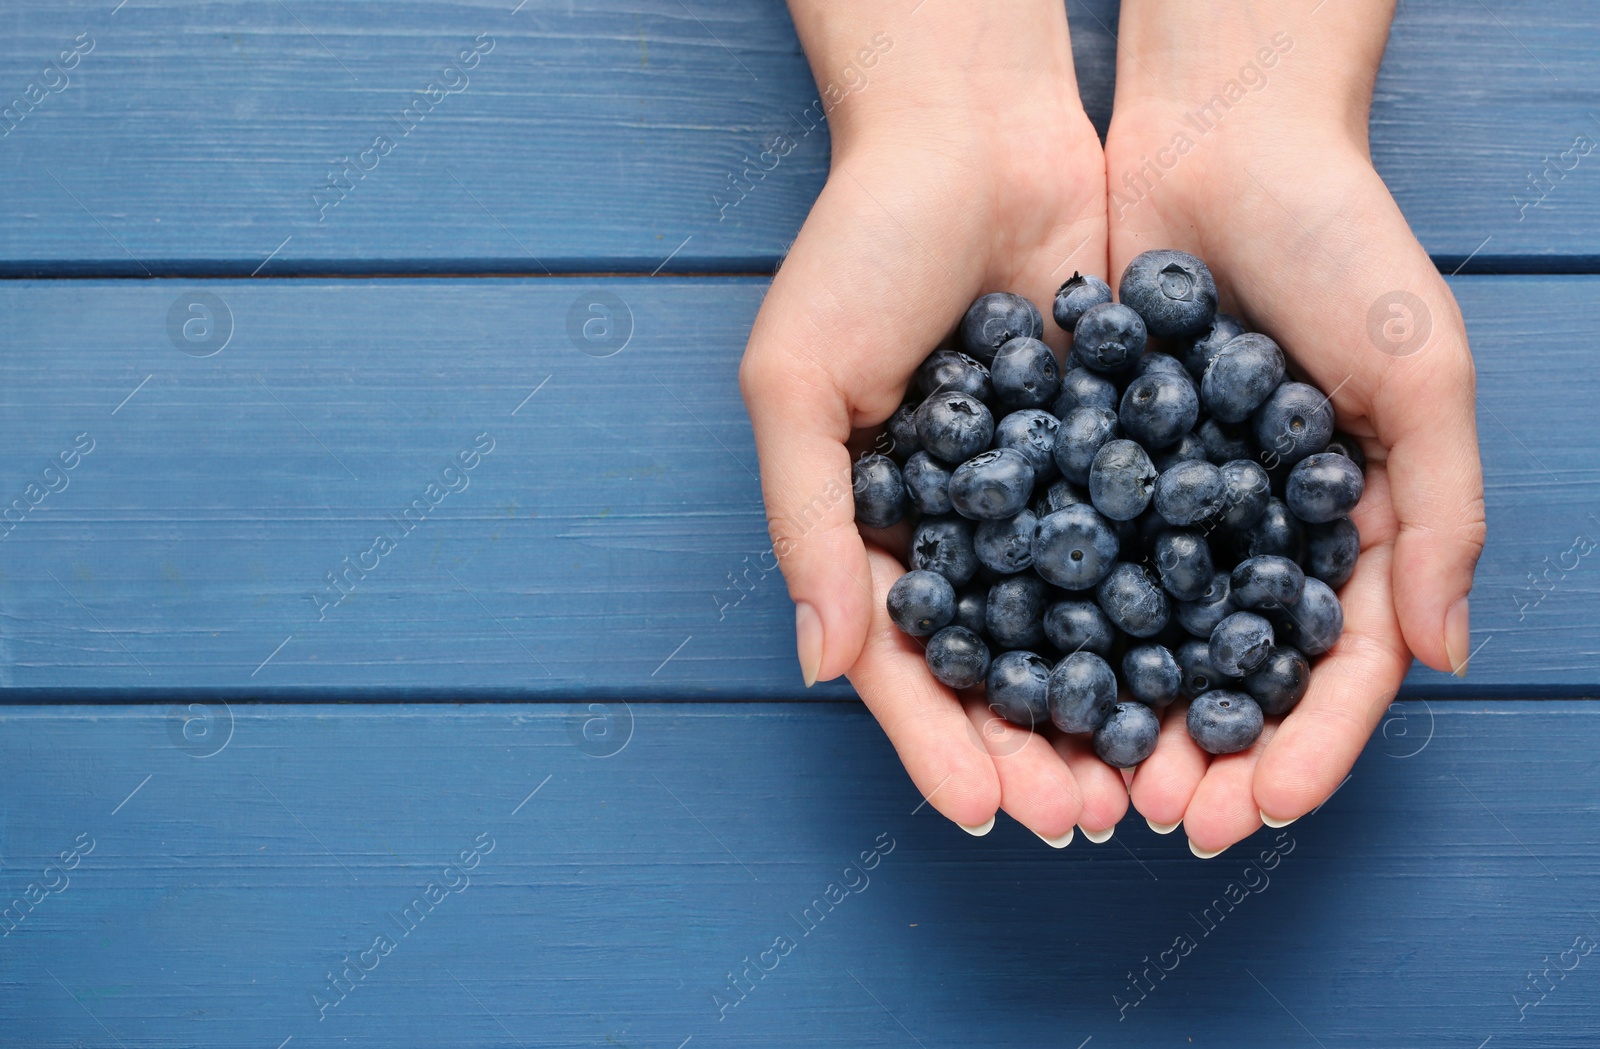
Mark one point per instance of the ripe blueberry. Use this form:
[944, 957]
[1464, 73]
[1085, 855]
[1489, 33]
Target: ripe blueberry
[1078, 294]
[1133, 600]
[1224, 722]
[1183, 560]
[1082, 388]
[994, 320]
[1246, 492]
[1225, 442]
[902, 430]
[1082, 690]
[1323, 487]
[1240, 643]
[958, 657]
[1314, 624]
[954, 426]
[950, 371]
[1158, 408]
[1074, 547]
[1079, 626]
[1025, 374]
[1172, 290]
[1200, 617]
[1296, 421]
[1241, 377]
[1279, 682]
[971, 607]
[1079, 438]
[1127, 736]
[1121, 479]
[1006, 545]
[1152, 675]
[880, 491]
[1276, 531]
[944, 545]
[1058, 495]
[927, 484]
[1267, 581]
[992, 485]
[922, 603]
[1031, 431]
[1190, 493]
[1108, 337]
[1018, 688]
[1331, 551]
[1015, 613]
[1200, 675]
[1197, 353]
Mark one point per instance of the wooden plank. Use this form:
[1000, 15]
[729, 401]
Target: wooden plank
[613, 541]
[601, 136]
[619, 892]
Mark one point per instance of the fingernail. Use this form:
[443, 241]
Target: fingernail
[1163, 828]
[1099, 837]
[808, 641]
[1457, 637]
[1206, 854]
[980, 830]
[1056, 843]
[1276, 824]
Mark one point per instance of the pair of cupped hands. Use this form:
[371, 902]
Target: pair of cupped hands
[963, 163]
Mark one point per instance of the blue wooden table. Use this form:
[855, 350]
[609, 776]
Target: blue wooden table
[540, 771]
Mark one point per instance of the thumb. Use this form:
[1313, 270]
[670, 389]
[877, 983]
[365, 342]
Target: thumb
[857, 303]
[1425, 414]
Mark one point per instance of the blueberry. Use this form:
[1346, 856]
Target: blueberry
[1323, 487]
[1082, 388]
[1108, 337]
[1240, 643]
[1031, 431]
[1127, 736]
[1240, 378]
[1079, 626]
[994, 320]
[1296, 421]
[1018, 686]
[1345, 445]
[1074, 547]
[954, 426]
[1190, 493]
[958, 657]
[993, 485]
[1158, 408]
[1025, 374]
[1121, 480]
[1267, 581]
[1200, 675]
[1015, 613]
[902, 430]
[1173, 292]
[1183, 560]
[1200, 617]
[1279, 682]
[880, 491]
[944, 545]
[1276, 531]
[927, 483]
[950, 371]
[1155, 361]
[1076, 296]
[1225, 441]
[1246, 492]
[1082, 691]
[971, 610]
[1152, 675]
[1133, 600]
[922, 603]
[1079, 438]
[1006, 545]
[1189, 448]
[1058, 495]
[1331, 551]
[1198, 352]
[1224, 722]
[1315, 623]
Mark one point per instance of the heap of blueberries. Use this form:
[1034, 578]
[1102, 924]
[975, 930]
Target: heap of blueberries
[1179, 512]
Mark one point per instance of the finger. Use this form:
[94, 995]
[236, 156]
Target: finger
[1319, 740]
[1223, 809]
[922, 718]
[1166, 780]
[1105, 795]
[1036, 786]
[834, 343]
[1425, 412]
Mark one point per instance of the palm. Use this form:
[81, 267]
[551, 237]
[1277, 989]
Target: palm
[1307, 240]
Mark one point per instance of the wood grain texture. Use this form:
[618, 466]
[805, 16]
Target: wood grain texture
[613, 543]
[602, 136]
[221, 890]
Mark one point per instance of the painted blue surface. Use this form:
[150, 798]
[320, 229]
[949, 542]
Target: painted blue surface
[222, 889]
[601, 136]
[612, 542]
